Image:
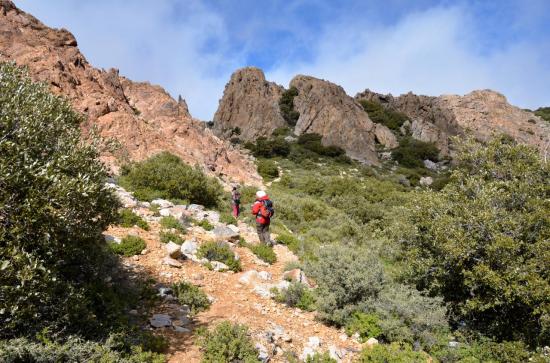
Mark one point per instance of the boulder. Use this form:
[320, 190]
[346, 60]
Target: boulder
[385, 136]
[173, 250]
[169, 261]
[249, 276]
[336, 353]
[160, 321]
[264, 275]
[426, 181]
[314, 342]
[225, 234]
[430, 165]
[189, 247]
[219, 266]
[162, 203]
[112, 239]
[371, 342]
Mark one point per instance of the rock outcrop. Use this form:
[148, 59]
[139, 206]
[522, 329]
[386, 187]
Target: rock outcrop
[482, 114]
[142, 118]
[327, 110]
[249, 103]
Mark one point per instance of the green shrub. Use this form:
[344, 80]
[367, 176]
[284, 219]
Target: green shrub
[128, 219]
[367, 325]
[543, 112]
[166, 237]
[268, 169]
[167, 176]
[53, 208]
[129, 246]
[73, 350]
[296, 295]
[192, 296]
[377, 113]
[412, 153]
[281, 132]
[320, 358]
[264, 252]
[347, 278]
[290, 241]
[221, 252]
[170, 222]
[286, 106]
[205, 224]
[482, 242]
[313, 142]
[394, 352]
[228, 343]
[227, 218]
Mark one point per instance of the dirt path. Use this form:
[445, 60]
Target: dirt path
[235, 301]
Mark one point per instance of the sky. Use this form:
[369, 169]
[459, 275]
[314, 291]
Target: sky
[191, 47]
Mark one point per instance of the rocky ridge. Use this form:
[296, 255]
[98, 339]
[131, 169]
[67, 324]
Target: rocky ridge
[481, 113]
[142, 118]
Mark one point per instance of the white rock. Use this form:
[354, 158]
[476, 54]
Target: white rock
[371, 342]
[219, 266]
[165, 212]
[225, 233]
[171, 262]
[281, 285]
[173, 249]
[263, 291]
[308, 352]
[249, 276]
[426, 181]
[180, 329]
[430, 164]
[112, 239]
[314, 342]
[263, 355]
[160, 321]
[233, 227]
[189, 247]
[195, 208]
[162, 203]
[264, 275]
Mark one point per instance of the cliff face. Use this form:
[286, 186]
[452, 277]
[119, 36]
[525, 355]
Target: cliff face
[143, 118]
[482, 114]
[250, 103]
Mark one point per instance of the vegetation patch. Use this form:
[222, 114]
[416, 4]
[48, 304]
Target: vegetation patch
[166, 176]
[192, 296]
[221, 252]
[166, 237]
[268, 169]
[296, 295]
[228, 343]
[412, 153]
[377, 113]
[394, 352]
[129, 246]
[543, 112]
[286, 105]
[366, 325]
[205, 224]
[264, 252]
[128, 219]
[268, 148]
[170, 222]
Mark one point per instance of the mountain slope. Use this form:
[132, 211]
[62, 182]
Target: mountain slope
[143, 118]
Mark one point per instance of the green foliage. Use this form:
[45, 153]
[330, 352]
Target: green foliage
[543, 112]
[227, 218]
[170, 222]
[166, 237]
[347, 279]
[73, 350]
[312, 142]
[166, 176]
[281, 131]
[289, 240]
[296, 295]
[205, 224]
[320, 358]
[268, 169]
[412, 153]
[192, 296]
[264, 252]
[53, 208]
[367, 325]
[485, 350]
[286, 105]
[394, 352]
[128, 219]
[269, 148]
[228, 343]
[221, 252]
[129, 246]
[377, 113]
[483, 242]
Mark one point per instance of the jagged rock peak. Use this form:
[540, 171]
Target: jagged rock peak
[249, 103]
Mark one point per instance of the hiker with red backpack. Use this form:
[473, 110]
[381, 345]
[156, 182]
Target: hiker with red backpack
[263, 210]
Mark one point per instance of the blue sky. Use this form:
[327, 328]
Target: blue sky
[191, 47]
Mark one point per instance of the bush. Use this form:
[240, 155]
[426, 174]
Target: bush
[228, 343]
[320, 358]
[281, 132]
[129, 246]
[268, 169]
[73, 350]
[313, 142]
[170, 222]
[347, 278]
[377, 113]
[367, 325]
[296, 295]
[166, 176]
[221, 252]
[128, 219]
[286, 105]
[227, 218]
[482, 242]
[264, 252]
[289, 240]
[412, 153]
[543, 112]
[205, 224]
[192, 296]
[166, 237]
[54, 206]
[394, 352]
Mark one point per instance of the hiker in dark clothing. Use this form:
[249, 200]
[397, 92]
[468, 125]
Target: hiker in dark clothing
[263, 210]
[236, 201]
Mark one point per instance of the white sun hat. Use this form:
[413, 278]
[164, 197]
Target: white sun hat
[260, 194]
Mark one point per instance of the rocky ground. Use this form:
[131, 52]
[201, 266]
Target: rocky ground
[242, 297]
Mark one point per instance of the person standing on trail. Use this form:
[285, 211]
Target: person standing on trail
[263, 210]
[236, 201]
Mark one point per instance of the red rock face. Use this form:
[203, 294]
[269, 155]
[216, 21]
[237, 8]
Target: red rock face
[143, 118]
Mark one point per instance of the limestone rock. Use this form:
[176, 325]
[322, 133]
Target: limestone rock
[327, 110]
[371, 342]
[162, 203]
[225, 234]
[171, 262]
[219, 266]
[426, 181]
[189, 247]
[385, 137]
[250, 103]
[173, 250]
[160, 321]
